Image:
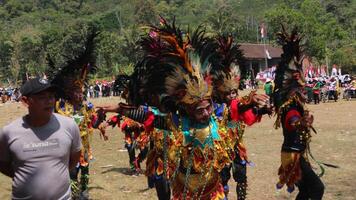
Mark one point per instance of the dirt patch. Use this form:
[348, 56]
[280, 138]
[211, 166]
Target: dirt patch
[334, 143]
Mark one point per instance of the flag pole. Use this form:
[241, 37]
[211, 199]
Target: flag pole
[264, 45]
[264, 35]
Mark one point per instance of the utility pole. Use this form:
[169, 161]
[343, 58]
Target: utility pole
[265, 49]
[263, 37]
[257, 40]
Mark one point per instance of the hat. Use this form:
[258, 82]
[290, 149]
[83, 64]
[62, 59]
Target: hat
[34, 86]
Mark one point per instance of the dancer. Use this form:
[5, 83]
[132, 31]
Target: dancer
[171, 78]
[238, 111]
[134, 138]
[71, 80]
[296, 122]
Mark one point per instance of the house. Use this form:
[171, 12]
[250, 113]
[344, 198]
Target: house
[259, 57]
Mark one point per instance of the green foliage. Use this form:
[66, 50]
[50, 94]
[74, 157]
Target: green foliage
[31, 30]
[324, 34]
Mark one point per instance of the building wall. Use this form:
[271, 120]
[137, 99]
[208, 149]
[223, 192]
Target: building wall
[260, 64]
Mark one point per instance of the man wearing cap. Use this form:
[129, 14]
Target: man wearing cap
[38, 149]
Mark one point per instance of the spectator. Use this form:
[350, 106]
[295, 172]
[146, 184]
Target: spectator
[38, 149]
[316, 91]
[96, 90]
[333, 88]
[334, 71]
[268, 87]
[91, 91]
[309, 89]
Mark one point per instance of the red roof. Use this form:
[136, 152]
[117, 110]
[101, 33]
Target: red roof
[253, 51]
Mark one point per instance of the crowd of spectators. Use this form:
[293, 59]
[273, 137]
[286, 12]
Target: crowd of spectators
[318, 87]
[9, 94]
[107, 88]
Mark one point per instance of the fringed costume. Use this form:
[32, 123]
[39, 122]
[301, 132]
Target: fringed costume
[233, 113]
[85, 117]
[70, 81]
[135, 138]
[295, 121]
[191, 148]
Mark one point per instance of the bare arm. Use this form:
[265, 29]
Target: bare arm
[76, 147]
[6, 169]
[74, 159]
[5, 159]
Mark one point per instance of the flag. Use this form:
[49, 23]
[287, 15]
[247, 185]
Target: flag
[263, 30]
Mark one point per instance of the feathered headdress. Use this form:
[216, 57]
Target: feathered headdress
[289, 80]
[227, 66]
[170, 73]
[74, 73]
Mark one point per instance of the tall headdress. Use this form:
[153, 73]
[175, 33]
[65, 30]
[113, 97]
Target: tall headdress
[74, 74]
[227, 66]
[170, 73]
[289, 80]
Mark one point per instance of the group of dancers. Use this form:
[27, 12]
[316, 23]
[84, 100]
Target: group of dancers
[184, 113]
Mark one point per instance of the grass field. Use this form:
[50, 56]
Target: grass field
[335, 143]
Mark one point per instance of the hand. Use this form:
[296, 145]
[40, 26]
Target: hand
[261, 100]
[103, 125]
[307, 119]
[102, 130]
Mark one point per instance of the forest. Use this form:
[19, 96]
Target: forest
[31, 30]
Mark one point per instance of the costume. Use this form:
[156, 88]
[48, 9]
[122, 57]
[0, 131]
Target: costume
[70, 81]
[233, 113]
[155, 160]
[135, 138]
[172, 77]
[85, 117]
[233, 123]
[293, 117]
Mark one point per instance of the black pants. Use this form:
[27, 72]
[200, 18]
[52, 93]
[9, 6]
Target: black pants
[333, 93]
[132, 155]
[163, 189]
[131, 152]
[225, 175]
[310, 186]
[239, 171]
[316, 98]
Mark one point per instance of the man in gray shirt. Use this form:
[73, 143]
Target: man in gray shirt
[37, 150]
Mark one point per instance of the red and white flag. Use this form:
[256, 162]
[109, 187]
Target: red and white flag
[263, 30]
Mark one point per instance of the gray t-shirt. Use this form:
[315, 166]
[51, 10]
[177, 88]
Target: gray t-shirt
[40, 157]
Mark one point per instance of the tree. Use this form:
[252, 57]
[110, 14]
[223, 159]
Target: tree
[30, 30]
[320, 29]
